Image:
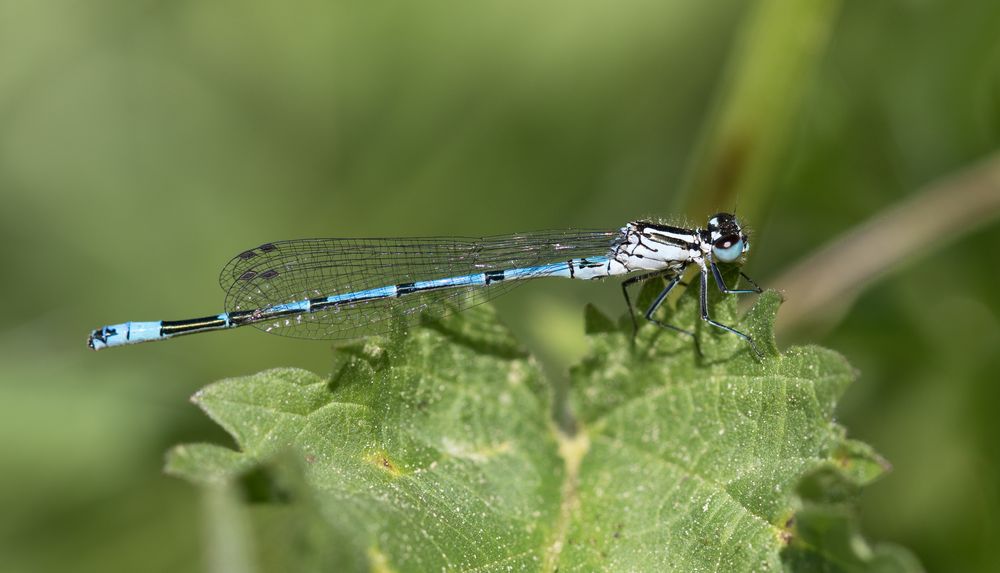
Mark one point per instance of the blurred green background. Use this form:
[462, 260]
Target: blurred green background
[143, 143]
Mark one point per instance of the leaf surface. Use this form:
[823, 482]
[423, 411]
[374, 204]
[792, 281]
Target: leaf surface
[436, 450]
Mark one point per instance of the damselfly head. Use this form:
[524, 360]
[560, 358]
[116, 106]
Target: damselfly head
[729, 243]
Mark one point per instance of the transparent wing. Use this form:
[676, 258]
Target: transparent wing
[289, 271]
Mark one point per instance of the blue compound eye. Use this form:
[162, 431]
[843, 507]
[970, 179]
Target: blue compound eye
[728, 249]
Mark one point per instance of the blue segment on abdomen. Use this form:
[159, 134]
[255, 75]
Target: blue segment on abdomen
[143, 331]
[125, 333]
[550, 270]
[532, 272]
[466, 280]
[560, 269]
[380, 292]
[299, 305]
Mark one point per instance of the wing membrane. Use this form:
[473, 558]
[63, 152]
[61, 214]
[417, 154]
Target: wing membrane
[289, 271]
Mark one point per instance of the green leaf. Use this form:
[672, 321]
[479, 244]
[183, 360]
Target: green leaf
[436, 450]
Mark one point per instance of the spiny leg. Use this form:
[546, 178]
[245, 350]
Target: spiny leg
[628, 301]
[726, 290]
[757, 289]
[659, 301]
[704, 310]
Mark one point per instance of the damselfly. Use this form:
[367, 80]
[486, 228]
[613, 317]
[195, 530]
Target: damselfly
[348, 288]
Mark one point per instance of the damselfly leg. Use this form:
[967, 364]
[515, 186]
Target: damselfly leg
[722, 287]
[628, 300]
[726, 290]
[675, 279]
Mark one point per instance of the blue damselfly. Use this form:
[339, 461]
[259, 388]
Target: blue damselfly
[348, 288]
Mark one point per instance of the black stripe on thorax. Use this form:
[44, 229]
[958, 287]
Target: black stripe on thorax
[656, 237]
[673, 241]
[643, 225]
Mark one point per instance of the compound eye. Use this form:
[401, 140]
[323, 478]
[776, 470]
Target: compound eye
[728, 248]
